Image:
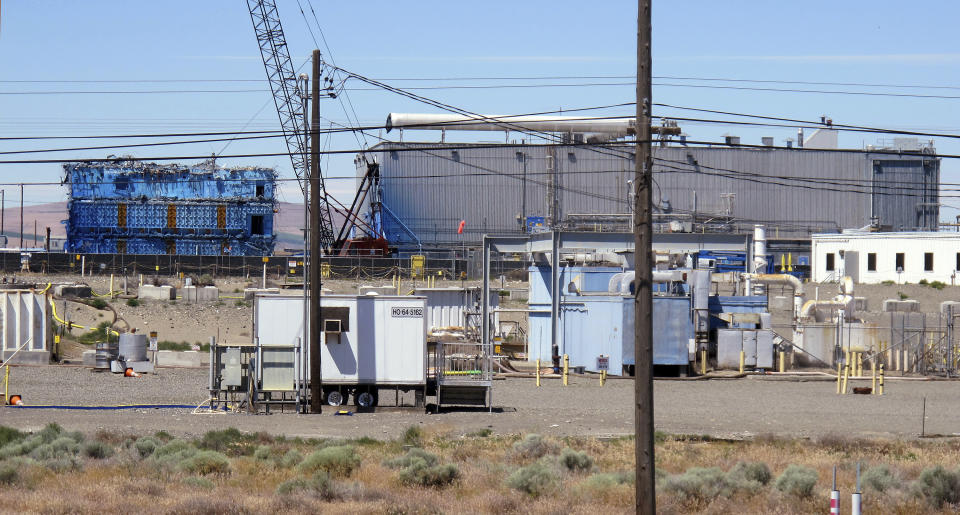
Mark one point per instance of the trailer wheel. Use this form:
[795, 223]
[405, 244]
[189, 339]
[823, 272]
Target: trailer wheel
[334, 398]
[366, 398]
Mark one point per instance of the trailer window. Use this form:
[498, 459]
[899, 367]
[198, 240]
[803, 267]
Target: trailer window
[872, 262]
[928, 261]
[830, 262]
[333, 314]
[256, 224]
[899, 264]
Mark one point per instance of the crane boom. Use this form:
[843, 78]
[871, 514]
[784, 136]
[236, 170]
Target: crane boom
[289, 101]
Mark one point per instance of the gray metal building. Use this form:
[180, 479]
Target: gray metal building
[426, 189]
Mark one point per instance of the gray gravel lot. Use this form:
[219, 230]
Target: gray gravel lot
[724, 408]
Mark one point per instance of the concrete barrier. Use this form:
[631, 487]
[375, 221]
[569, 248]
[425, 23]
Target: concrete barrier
[89, 358]
[72, 290]
[150, 292]
[201, 294]
[187, 359]
[950, 307]
[905, 306]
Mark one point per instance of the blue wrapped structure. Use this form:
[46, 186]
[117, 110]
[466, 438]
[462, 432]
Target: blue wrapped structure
[130, 207]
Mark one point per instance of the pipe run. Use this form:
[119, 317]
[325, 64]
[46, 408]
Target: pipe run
[784, 279]
[841, 301]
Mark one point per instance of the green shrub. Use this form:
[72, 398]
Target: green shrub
[49, 433]
[421, 474]
[9, 434]
[174, 452]
[938, 486]
[938, 285]
[903, 296]
[923, 282]
[205, 463]
[483, 433]
[744, 472]
[133, 303]
[76, 436]
[533, 446]
[575, 461]
[291, 459]
[97, 450]
[338, 461]
[879, 478]
[262, 453]
[201, 483]
[62, 464]
[887, 282]
[62, 447]
[412, 435]
[8, 473]
[412, 457]
[534, 479]
[610, 479]
[229, 440]
[797, 480]
[98, 304]
[145, 445]
[319, 485]
[699, 483]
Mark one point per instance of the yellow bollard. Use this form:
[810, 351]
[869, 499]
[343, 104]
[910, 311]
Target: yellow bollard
[603, 377]
[566, 369]
[880, 389]
[859, 364]
[703, 362]
[742, 358]
[839, 376]
[846, 378]
[538, 372]
[783, 362]
[873, 372]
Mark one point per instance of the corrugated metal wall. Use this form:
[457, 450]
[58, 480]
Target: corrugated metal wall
[795, 193]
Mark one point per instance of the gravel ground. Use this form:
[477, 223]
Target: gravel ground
[723, 408]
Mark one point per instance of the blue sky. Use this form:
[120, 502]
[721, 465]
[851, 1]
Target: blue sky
[879, 42]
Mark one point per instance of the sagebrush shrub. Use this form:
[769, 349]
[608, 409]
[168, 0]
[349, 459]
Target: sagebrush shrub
[292, 458]
[797, 480]
[206, 462]
[879, 478]
[421, 474]
[262, 453]
[534, 479]
[412, 456]
[338, 461]
[575, 461]
[744, 472]
[8, 473]
[97, 450]
[533, 446]
[699, 483]
[938, 486]
[413, 435]
[145, 445]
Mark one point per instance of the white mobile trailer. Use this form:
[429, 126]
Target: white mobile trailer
[367, 342]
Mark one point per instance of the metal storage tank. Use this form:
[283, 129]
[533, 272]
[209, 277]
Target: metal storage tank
[496, 188]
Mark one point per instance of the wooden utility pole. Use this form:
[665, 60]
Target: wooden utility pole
[646, 501]
[316, 392]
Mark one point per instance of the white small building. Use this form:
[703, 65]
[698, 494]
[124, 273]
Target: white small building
[874, 257]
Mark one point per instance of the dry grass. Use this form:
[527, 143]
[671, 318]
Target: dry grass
[257, 467]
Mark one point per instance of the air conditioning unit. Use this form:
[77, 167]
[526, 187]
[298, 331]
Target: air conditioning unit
[331, 325]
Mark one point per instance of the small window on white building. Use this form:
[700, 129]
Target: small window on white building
[899, 264]
[928, 261]
[830, 262]
[871, 262]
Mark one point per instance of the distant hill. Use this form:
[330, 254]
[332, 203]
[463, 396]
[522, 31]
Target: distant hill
[288, 223]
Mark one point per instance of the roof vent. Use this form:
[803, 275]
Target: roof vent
[767, 141]
[732, 140]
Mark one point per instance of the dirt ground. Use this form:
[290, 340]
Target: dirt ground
[728, 408]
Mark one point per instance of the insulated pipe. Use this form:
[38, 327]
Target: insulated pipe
[842, 301]
[616, 127]
[785, 279]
